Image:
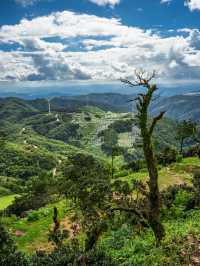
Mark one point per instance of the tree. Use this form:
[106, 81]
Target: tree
[147, 127]
[3, 137]
[86, 182]
[186, 130]
[110, 145]
[110, 139]
[116, 151]
[9, 256]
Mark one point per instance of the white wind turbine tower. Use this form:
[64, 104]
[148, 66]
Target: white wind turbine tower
[49, 105]
[49, 109]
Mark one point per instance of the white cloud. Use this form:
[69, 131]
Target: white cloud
[193, 4]
[111, 3]
[26, 3]
[165, 1]
[67, 45]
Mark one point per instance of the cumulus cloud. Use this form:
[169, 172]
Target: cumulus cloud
[193, 4]
[71, 46]
[194, 39]
[111, 3]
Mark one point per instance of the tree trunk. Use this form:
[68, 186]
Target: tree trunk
[143, 102]
[181, 151]
[112, 165]
[154, 198]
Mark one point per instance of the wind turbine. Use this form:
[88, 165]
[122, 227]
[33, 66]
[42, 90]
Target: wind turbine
[49, 105]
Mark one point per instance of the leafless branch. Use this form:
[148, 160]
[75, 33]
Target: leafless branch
[142, 79]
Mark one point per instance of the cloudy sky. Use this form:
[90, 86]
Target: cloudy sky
[99, 40]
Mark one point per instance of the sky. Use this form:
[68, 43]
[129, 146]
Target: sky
[100, 41]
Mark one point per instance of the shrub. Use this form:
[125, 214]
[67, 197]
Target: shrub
[33, 216]
[25, 203]
[4, 191]
[135, 165]
[8, 253]
[192, 151]
[167, 157]
[196, 184]
[179, 158]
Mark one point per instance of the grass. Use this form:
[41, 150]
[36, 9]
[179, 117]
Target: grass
[5, 201]
[129, 247]
[34, 231]
[174, 174]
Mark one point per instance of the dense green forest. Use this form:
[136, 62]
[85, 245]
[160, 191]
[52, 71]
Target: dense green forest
[79, 183]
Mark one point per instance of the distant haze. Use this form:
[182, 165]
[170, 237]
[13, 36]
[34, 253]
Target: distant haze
[44, 91]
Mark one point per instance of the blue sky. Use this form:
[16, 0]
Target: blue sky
[99, 40]
[142, 13]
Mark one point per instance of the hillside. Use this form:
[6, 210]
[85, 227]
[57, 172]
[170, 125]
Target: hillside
[81, 158]
[180, 107]
[77, 122]
[125, 242]
[37, 140]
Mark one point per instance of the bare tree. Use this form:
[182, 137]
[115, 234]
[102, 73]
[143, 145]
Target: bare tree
[143, 102]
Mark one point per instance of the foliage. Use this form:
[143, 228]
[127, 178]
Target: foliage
[22, 163]
[192, 151]
[106, 236]
[9, 256]
[135, 165]
[168, 156]
[196, 185]
[25, 203]
[110, 139]
[185, 130]
[121, 126]
[86, 181]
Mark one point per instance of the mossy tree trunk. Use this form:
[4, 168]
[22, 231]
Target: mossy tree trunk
[143, 102]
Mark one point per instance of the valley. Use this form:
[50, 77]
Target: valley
[37, 145]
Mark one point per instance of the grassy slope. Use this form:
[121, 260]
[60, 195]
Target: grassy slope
[36, 232]
[5, 201]
[136, 248]
[176, 173]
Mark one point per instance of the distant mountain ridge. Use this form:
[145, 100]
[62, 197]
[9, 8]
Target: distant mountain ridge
[38, 90]
[178, 107]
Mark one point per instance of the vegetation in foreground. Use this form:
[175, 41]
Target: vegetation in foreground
[102, 204]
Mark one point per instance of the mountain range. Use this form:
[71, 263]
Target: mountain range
[178, 107]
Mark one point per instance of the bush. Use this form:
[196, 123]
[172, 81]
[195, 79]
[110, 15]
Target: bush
[69, 255]
[33, 216]
[179, 158]
[168, 156]
[196, 184]
[135, 165]
[121, 173]
[182, 198]
[4, 191]
[8, 253]
[192, 152]
[26, 203]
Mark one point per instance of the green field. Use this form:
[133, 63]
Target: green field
[5, 201]
[34, 227]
